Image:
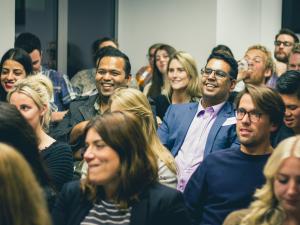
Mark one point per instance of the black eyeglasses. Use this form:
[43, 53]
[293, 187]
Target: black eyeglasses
[254, 116]
[285, 43]
[219, 74]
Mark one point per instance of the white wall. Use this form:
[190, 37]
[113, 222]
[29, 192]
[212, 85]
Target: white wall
[188, 25]
[196, 26]
[242, 23]
[7, 24]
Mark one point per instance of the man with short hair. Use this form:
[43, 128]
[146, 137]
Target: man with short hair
[294, 58]
[63, 91]
[226, 180]
[284, 42]
[113, 71]
[259, 67]
[288, 86]
[84, 81]
[194, 130]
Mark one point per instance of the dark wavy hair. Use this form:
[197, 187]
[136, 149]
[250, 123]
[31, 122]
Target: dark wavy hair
[157, 77]
[138, 167]
[20, 56]
[17, 132]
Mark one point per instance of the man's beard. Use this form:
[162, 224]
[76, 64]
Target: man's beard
[281, 57]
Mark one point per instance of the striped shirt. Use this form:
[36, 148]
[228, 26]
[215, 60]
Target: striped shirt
[107, 213]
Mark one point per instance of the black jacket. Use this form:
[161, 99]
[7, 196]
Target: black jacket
[159, 205]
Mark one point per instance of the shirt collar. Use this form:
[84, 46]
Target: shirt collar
[212, 109]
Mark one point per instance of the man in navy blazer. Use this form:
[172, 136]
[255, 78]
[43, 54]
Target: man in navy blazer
[194, 130]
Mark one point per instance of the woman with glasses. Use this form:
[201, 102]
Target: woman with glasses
[121, 186]
[15, 65]
[278, 201]
[184, 80]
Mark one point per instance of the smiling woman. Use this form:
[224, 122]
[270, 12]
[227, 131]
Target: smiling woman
[15, 65]
[121, 186]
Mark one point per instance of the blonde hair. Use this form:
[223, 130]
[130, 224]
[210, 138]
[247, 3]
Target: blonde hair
[22, 199]
[136, 102]
[189, 65]
[266, 210]
[269, 60]
[40, 89]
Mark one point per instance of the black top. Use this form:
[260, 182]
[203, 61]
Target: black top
[59, 163]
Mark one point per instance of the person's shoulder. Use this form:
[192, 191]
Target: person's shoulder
[223, 153]
[235, 217]
[85, 98]
[162, 191]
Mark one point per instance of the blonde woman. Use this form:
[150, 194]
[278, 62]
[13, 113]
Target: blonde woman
[183, 77]
[278, 201]
[134, 101]
[22, 200]
[32, 97]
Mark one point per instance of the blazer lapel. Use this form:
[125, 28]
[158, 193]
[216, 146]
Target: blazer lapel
[184, 122]
[221, 118]
[139, 213]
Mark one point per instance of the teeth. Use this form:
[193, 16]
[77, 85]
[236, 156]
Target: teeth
[210, 85]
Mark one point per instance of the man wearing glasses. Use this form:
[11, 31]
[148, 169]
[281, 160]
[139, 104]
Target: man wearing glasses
[294, 58]
[226, 180]
[284, 42]
[194, 130]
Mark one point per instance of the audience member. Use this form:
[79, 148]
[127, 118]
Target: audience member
[22, 199]
[226, 180]
[144, 74]
[159, 83]
[294, 58]
[134, 101]
[192, 131]
[260, 68]
[284, 42]
[182, 75]
[16, 131]
[288, 86]
[84, 81]
[113, 71]
[63, 91]
[15, 65]
[277, 202]
[223, 49]
[31, 96]
[121, 186]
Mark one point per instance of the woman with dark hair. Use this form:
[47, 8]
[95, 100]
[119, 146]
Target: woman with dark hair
[15, 131]
[121, 186]
[15, 64]
[159, 81]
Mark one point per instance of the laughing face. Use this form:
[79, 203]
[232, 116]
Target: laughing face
[11, 72]
[110, 75]
[216, 89]
[178, 77]
[292, 111]
[103, 161]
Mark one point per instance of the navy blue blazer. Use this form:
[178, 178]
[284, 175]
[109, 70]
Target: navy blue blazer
[158, 205]
[178, 119]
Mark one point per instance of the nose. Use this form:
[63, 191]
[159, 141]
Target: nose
[292, 188]
[212, 75]
[246, 119]
[10, 76]
[88, 154]
[287, 113]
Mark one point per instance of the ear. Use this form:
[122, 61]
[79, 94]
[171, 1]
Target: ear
[232, 85]
[43, 110]
[273, 127]
[268, 73]
[128, 79]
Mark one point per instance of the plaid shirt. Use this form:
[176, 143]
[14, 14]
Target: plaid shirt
[63, 92]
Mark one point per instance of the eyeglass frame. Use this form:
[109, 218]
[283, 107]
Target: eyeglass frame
[285, 43]
[216, 75]
[251, 114]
